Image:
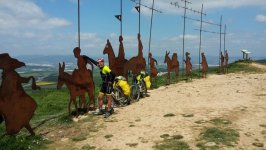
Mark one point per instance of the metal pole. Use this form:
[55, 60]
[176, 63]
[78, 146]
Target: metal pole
[121, 13]
[78, 25]
[200, 35]
[150, 34]
[184, 32]
[139, 15]
[220, 41]
[224, 37]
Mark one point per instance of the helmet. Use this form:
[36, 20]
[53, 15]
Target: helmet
[142, 72]
[100, 60]
[120, 78]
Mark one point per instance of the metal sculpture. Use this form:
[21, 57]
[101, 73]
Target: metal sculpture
[226, 61]
[204, 65]
[188, 66]
[75, 89]
[16, 106]
[172, 65]
[153, 70]
[137, 63]
[84, 76]
[116, 63]
[222, 63]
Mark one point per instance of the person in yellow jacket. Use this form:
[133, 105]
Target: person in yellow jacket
[106, 88]
[145, 78]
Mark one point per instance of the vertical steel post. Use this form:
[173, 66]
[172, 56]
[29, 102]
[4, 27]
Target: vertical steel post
[78, 24]
[150, 34]
[200, 35]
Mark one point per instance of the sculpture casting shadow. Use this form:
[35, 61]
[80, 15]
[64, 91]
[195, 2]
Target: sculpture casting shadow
[116, 64]
[153, 70]
[16, 106]
[188, 66]
[172, 65]
[84, 76]
[75, 89]
[136, 64]
[222, 63]
[226, 61]
[204, 65]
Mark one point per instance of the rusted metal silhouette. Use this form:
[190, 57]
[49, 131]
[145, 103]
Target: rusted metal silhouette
[188, 66]
[222, 63]
[116, 63]
[16, 106]
[75, 89]
[172, 65]
[84, 76]
[204, 65]
[153, 70]
[137, 63]
[226, 61]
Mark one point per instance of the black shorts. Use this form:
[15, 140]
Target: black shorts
[106, 88]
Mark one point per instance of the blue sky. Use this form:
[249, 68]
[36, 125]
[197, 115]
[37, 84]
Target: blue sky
[49, 27]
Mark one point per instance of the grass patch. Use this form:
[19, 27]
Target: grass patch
[108, 136]
[22, 142]
[177, 137]
[80, 137]
[172, 143]
[243, 66]
[164, 136]
[220, 121]
[132, 125]
[132, 144]
[188, 115]
[258, 144]
[169, 115]
[226, 137]
[138, 120]
[263, 125]
[200, 121]
[88, 147]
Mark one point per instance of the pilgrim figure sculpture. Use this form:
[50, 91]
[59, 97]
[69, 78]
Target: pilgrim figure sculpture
[204, 65]
[16, 106]
[136, 64]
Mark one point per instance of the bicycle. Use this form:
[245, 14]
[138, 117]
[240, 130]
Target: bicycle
[138, 89]
[119, 97]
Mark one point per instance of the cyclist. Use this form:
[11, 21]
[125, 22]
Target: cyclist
[145, 79]
[106, 88]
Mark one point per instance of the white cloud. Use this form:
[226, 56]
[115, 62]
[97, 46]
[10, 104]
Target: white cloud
[261, 18]
[25, 14]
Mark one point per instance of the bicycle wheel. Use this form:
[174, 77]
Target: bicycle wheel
[134, 93]
[143, 89]
[119, 97]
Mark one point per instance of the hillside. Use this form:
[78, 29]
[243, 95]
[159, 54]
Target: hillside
[191, 111]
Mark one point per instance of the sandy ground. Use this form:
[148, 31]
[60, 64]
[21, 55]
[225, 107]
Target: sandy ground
[240, 98]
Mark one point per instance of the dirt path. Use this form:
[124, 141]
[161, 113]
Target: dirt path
[240, 98]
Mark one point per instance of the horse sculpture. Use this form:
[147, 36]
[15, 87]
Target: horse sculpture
[172, 65]
[16, 106]
[136, 64]
[188, 66]
[222, 63]
[226, 61]
[153, 70]
[116, 64]
[204, 65]
[75, 89]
